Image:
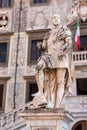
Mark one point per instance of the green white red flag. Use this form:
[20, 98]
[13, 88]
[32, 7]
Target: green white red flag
[77, 36]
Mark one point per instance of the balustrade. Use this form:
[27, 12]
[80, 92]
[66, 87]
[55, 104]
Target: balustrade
[79, 57]
[11, 117]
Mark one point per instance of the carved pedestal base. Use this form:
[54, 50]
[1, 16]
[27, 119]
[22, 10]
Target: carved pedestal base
[47, 119]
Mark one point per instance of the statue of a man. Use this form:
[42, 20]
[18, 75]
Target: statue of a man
[52, 70]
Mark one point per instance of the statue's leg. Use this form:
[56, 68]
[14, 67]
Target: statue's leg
[53, 85]
[51, 88]
[40, 81]
[40, 77]
[60, 85]
[39, 97]
[39, 100]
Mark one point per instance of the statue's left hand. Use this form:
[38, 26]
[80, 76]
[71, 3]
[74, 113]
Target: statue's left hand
[39, 45]
[60, 53]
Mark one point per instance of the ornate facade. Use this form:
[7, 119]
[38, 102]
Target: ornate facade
[22, 24]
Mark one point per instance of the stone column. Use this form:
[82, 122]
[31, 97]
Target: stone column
[47, 119]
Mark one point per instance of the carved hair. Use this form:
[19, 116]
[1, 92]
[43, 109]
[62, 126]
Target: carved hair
[56, 16]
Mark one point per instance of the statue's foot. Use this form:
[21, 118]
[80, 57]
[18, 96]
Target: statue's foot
[38, 94]
[38, 106]
[38, 102]
[50, 105]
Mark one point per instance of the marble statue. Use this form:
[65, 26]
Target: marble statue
[53, 73]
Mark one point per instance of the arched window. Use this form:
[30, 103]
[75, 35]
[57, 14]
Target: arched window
[82, 125]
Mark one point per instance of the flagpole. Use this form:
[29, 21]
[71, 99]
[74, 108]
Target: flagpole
[77, 35]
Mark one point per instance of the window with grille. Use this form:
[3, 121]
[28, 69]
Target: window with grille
[82, 125]
[1, 95]
[3, 52]
[81, 86]
[35, 53]
[39, 1]
[5, 3]
[83, 40]
[30, 89]
[35, 37]
[79, 127]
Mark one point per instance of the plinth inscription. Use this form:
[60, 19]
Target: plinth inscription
[44, 128]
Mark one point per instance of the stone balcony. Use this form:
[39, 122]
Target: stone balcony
[80, 58]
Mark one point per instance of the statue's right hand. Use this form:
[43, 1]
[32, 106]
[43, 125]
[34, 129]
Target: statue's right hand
[39, 45]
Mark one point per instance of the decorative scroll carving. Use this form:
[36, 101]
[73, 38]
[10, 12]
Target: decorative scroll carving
[78, 10]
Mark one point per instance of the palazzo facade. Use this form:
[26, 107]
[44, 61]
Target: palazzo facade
[23, 23]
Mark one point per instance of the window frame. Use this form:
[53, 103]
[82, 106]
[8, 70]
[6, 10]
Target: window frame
[35, 50]
[83, 123]
[39, 4]
[84, 46]
[5, 39]
[29, 80]
[34, 35]
[5, 4]
[77, 86]
[4, 83]
[3, 52]
[1, 95]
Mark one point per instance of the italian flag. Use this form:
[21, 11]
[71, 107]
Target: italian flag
[77, 36]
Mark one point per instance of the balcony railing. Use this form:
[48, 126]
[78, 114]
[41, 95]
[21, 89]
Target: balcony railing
[8, 119]
[80, 57]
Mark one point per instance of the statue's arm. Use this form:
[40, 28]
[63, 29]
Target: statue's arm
[43, 46]
[68, 43]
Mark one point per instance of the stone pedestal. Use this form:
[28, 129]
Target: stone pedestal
[47, 119]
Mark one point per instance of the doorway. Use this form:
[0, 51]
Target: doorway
[82, 125]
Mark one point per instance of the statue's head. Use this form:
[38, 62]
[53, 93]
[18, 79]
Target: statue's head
[56, 20]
